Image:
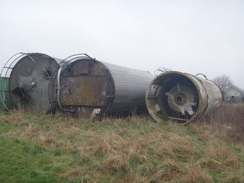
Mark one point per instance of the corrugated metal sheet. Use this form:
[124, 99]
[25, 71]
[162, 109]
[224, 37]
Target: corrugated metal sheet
[130, 87]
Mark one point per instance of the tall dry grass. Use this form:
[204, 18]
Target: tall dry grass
[226, 122]
[137, 149]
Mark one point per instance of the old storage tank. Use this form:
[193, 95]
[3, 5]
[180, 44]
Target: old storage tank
[29, 80]
[88, 87]
[233, 96]
[181, 97]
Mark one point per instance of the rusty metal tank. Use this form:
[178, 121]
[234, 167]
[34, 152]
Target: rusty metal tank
[88, 87]
[181, 97]
[233, 96]
[29, 80]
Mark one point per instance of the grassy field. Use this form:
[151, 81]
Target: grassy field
[54, 148]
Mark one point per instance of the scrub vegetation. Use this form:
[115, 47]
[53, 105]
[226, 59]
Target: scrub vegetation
[56, 148]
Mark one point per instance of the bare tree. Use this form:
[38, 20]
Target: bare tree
[224, 83]
[242, 92]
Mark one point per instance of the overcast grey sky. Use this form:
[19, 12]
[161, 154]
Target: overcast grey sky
[201, 36]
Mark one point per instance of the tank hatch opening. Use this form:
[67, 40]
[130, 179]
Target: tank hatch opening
[19, 93]
[47, 73]
[20, 96]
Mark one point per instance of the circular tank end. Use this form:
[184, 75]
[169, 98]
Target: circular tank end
[86, 88]
[175, 96]
[29, 82]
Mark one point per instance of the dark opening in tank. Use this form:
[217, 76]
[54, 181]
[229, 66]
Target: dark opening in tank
[180, 99]
[19, 93]
[69, 69]
[47, 74]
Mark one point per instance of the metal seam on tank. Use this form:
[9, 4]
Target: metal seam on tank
[113, 85]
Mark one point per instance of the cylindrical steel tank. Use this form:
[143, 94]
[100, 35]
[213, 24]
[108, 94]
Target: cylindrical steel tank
[181, 97]
[29, 81]
[88, 87]
[233, 96]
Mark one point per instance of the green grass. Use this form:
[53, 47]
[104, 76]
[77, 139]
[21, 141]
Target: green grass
[43, 148]
[22, 161]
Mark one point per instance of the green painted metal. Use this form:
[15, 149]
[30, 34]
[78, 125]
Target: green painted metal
[5, 98]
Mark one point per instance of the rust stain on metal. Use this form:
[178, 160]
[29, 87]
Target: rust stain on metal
[83, 91]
